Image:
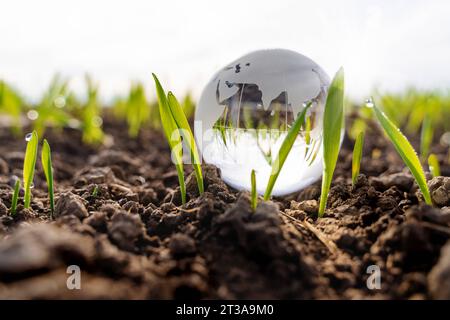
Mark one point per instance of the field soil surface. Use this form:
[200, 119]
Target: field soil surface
[118, 217]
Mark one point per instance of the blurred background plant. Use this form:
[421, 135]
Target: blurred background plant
[11, 104]
[423, 115]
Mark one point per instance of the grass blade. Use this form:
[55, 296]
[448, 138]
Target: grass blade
[46, 159]
[15, 197]
[426, 137]
[183, 124]
[433, 164]
[405, 150]
[357, 155]
[332, 125]
[29, 164]
[172, 135]
[285, 148]
[254, 194]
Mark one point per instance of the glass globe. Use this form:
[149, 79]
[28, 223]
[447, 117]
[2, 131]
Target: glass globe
[246, 110]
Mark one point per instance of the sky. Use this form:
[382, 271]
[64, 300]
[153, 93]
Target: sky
[385, 44]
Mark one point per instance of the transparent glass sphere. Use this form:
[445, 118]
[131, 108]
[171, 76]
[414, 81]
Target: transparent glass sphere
[246, 110]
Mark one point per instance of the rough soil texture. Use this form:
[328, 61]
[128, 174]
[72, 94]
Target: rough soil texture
[134, 240]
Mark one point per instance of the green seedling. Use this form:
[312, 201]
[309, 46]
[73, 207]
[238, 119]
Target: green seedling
[183, 125]
[46, 159]
[11, 104]
[333, 121]
[433, 164]
[15, 197]
[285, 148]
[179, 118]
[172, 135]
[50, 111]
[254, 195]
[94, 193]
[29, 164]
[137, 110]
[91, 120]
[405, 150]
[426, 137]
[188, 106]
[357, 156]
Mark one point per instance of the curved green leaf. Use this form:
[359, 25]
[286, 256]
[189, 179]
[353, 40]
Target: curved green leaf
[405, 150]
[333, 120]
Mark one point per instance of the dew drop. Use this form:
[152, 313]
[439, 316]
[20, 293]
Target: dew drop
[369, 103]
[445, 139]
[28, 136]
[32, 115]
[32, 185]
[60, 102]
[97, 121]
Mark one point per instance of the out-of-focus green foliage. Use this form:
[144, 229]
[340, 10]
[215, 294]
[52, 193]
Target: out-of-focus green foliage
[90, 115]
[50, 110]
[188, 105]
[11, 103]
[408, 109]
[137, 109]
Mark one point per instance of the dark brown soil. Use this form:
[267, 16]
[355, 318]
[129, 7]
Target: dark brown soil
[133, 240]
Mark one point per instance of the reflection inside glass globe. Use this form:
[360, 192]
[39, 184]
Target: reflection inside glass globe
[246, 111]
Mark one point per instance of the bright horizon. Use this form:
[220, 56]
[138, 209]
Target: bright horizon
[385, 44]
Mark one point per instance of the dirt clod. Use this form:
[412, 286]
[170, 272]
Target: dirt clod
[69, 203]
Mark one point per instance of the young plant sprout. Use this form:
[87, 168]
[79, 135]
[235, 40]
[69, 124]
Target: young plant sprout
[175, 123]
[95, 191]
[285, 148]
[11, 104]
[254, 194]
[29, 164]
[172, 135]
[357, 156]
[91, 120]
[46, 159]
[404, 149]
[426, 137]
[15, 197]
[332, 124]
[183, 125]
[51, 111]
[433, 164]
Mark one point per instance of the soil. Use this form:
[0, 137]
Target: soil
[134, 240]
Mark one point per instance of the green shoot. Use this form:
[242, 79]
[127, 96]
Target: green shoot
[51, 109]
[172, 135]
[11, 103]
[95, 191]
[433, 164]
[15, 197]
[426, 137]
[92, 122]
[46, 159]
[285, 148]
[357, 155]
[29, 164]
[254, 199]
[332, 126]
[405, 150]
[183, 125]
[137, 109]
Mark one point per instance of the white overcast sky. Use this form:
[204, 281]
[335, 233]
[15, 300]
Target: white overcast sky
[389, 44]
